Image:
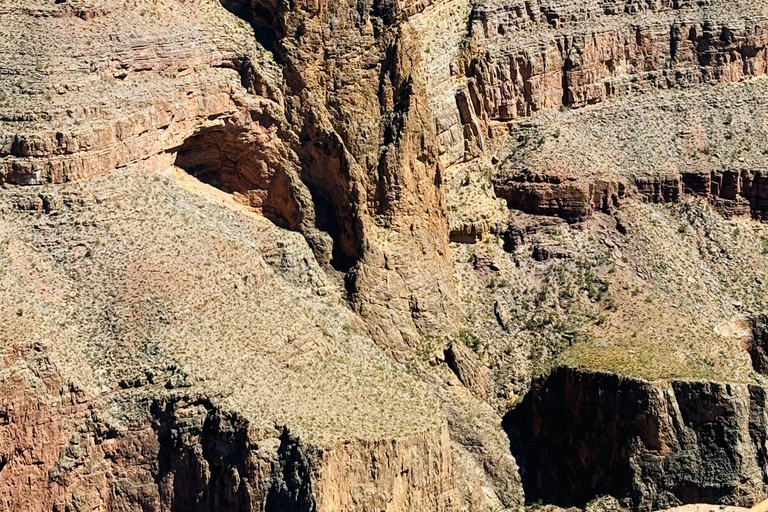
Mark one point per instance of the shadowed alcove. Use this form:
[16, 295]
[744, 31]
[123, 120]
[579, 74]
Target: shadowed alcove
[223, 160]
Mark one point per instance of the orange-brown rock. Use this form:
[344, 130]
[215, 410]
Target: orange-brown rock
[580, 53]
[560, 195]
[731, 192]
[220, 221]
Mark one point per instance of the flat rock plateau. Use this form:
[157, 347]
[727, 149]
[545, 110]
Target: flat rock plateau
[383, 255]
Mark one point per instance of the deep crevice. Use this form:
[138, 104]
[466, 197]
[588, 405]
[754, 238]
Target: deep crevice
[326, 174]
[324, 165]
[326, 220]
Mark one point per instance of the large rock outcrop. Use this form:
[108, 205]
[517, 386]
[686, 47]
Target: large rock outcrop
[581, 434]
[183, 452]
[563, 195]
[580, 53]
[332, 140]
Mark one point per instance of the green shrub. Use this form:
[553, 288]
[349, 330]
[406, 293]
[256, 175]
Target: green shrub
[471, 341]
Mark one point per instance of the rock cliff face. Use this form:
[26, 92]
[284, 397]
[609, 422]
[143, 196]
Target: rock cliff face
[142, 384]
[255, 121]
[306, 255]
[559, 195]
[581, 53]
[658, 444]
[184, 453]
[661, 147]
[369, 158]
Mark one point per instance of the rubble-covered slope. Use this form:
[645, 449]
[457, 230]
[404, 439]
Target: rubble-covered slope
[151, 361]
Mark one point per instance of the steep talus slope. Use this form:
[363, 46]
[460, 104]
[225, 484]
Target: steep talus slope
[156, 378]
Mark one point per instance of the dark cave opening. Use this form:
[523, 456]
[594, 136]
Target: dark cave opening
[222, 159]
[261, 20]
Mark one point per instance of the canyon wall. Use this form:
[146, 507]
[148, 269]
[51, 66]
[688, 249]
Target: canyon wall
[265, 193]
[62, 452]
[583, 434]
[330, 139]
[581, 53]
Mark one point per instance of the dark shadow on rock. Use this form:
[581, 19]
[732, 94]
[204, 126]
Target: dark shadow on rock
[581, 434]
[259, 17]
[518, 424]
[758, 344]
[221, 158]
[207, 462]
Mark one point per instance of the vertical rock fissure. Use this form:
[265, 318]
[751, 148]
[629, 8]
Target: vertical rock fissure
[365, 168]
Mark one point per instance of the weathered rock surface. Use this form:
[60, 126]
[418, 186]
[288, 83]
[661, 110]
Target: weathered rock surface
[701, 507]
[758, 344]
[662, 147]
[560, 195]
[251, 119]
[468, 368]
[659, 444]
[136, 383]
[167, 348]
[579, 53]
[184, 453]
[731, 192]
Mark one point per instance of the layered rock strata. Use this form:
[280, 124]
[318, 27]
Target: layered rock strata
[343, 124]
[560, 195]
[581, 53]
[245, 109]
[660, 147]
[658, 444]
